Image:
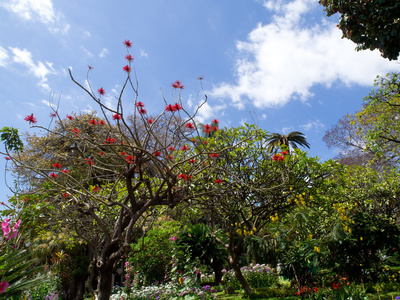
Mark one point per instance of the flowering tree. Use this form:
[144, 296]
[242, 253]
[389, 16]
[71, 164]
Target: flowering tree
[108, 171]
[254, 188]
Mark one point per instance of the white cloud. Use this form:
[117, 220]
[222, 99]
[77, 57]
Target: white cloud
[312, 125]
[208, 112]
[86, 34]
[143, 53]
[284, 59]
[103, 52]
[3, 57]
[87, 52]
[41, 10]
[40, 70]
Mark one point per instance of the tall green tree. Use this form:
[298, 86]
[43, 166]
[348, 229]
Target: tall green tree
[371, 24]
[292, 141]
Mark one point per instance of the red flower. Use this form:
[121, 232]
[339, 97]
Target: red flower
[52, 115]
[65, 171]
[129, 57]
[57, 165]
[201, 77]
[101, 91]
[169, 157]
[95, 189]
[150, 121]
[215, 121]
[52, 174]
[101, 153]
[335, 286]
[171, 148]
[218, 181]
[117, 117]
[205, 142]
[75, 130]
[177, 85]
[123, 153]
[128, 43]
[184, 148]
[102, 122]
[7, 158]
[170, 108]
[183, 176]
[157, 153]
[129, 159]
[178, 106]
[189, 125]
[316, 289]
[110, 140]
[127, 68]
[207, 128]
[70, 117]
[285, 152]
[215, 128]
[90, 67]
[214, 155]
[65, 195]
[192, 161]
[140, 104]
[89, 161]
[142, 111]
[93, 122]
[31, 119]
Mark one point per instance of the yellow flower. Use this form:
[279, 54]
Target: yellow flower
[311, 197]
[254, 229]
[361, 238]
[349, 230]
[317, 249]
[291, 188]
[180, 280]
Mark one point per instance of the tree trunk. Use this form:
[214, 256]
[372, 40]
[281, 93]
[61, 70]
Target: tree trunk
[240, 276]
[217, 267]
[105, 282]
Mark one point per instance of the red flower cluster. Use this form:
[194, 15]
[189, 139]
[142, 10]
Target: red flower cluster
[31, 119]
[102, 122]
[169, 157]
[129, 159]
[93, 122]
[183, 176]
[117, 117]
[54, 114]
[173, 108]
[70, 117]
[171, 148]
[140, 104]
[101, 91]
[75, 130]
[150, 121]
[65, 195]
[218, 181]
[110, 140]
[207, 128]
[65, 171]
[184, 148]
[214, 155]
[142, 111]
[127, 69]
[157, 153]
[177, 85]
[335, 286]
[52, 174]
[128, 43]
[215, 121]
[192, 161]
[89, 161]
[95, 189]
[129, 57]
[7, 158]
[123, 153]
[189, 125]
[57, 165]
[280, 156]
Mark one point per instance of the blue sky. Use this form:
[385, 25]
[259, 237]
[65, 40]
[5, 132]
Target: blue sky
[279, 63]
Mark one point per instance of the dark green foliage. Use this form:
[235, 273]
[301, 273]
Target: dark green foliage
[371, 24]
[11, 139]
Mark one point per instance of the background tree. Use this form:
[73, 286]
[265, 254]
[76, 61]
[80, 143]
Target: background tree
[372, 24]
[292, 141]
[251, 189]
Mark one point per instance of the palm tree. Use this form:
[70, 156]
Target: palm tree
[291, 140]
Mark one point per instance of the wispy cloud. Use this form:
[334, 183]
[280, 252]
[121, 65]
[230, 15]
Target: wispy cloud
[104, 52]
[3, 57]
[143, 53]
[41, 10]
[207, 112]
[40, 70]
[312, 125]
[284, 59]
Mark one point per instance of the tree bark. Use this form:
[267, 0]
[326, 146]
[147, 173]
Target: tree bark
[105, 282]
[240, 276]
